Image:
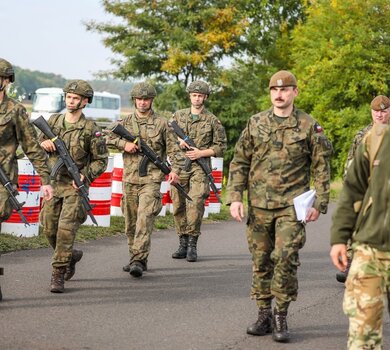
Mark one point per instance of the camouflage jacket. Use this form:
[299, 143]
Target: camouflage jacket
[154, 131]
[355, 144]
[207, 132]
[274, 161]
[16, 129]
[87, 147]
[363, 208]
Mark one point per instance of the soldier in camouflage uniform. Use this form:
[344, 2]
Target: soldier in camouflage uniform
[362, 216]
[379, 115]
[208, 134]
[275, 157]
[141, 201]
[16, 130]
[62, 216]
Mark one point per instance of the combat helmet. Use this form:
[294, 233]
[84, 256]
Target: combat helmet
[143, 90]
[199, 87]
[79, 87]
[6, 70]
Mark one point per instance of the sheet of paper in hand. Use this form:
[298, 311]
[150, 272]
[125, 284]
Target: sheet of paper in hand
[303, 203]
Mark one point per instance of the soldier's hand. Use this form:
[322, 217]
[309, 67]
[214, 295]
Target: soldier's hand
[48, 192]
[312, 215]
[131, 147]
[194, 153]
[183, 144]
[173, 178]
[237, 211]
[82, 177]
[48, 146]
[338, 253]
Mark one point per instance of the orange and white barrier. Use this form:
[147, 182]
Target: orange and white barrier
[100, 196]
[117, 190]
[29, 192]
[217, 171]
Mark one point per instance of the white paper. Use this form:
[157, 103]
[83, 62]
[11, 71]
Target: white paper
[303, 203]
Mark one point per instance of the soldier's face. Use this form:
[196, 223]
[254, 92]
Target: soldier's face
[381, 117]
[283, 97]
[74, 101]
[143, 105]
[197, 100]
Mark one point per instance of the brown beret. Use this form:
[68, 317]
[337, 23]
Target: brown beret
[282, 78]
[380, 102]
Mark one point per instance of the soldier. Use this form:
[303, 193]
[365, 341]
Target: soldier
[15, 129]
[362, 216]
[379, 114]
[62, 216]
[141, 201]
[275, 157]
[208, 134]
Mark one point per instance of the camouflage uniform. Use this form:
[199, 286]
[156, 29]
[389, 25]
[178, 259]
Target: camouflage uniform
[362, 216]
[14, 129]
[273, 160]
[355, 144]
[207, 132]
[141, 200]
[64, 213]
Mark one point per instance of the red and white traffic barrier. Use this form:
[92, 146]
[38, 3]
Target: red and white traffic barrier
[29, 192]
[217, 172]
[100, 196]
[117, 190]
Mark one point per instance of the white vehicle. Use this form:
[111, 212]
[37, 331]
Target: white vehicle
[105, 107]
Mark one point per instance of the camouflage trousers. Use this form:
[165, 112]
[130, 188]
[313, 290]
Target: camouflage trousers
[274, 239]
[61, 217]
[188, 215]
[367, 284]
[140, 205]
[5, 206]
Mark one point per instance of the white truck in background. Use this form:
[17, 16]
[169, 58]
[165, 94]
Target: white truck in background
[105, 107]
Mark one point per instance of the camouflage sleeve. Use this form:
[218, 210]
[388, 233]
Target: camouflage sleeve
[352, 194]
[174, 153]
[219, 139]
[321, 150]
[98, 155]
[240, 166]
[28, 138]
[114, 140]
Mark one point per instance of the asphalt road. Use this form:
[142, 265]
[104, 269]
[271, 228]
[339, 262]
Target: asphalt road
[176, 304]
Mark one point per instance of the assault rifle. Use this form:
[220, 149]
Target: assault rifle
[203, 163]
[8, 185]
[149, 155]
[67, 161]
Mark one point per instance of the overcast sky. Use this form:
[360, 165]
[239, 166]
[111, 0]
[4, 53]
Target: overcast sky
[49, 36]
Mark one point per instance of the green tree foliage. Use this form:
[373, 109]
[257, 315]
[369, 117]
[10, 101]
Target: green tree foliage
[167, 39]
[341, 57]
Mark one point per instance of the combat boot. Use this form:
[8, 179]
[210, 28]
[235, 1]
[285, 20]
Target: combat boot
[279, 327]
[192, 254]
[57, 279]
[181, 252]
[341, 276]
[136, 269]
[71, 268]
[126, 268]
[263, 325]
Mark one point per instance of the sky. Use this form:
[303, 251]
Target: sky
[49, 36]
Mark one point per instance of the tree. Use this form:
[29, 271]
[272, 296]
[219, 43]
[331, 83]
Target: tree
[341, 56]
[180, 40]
